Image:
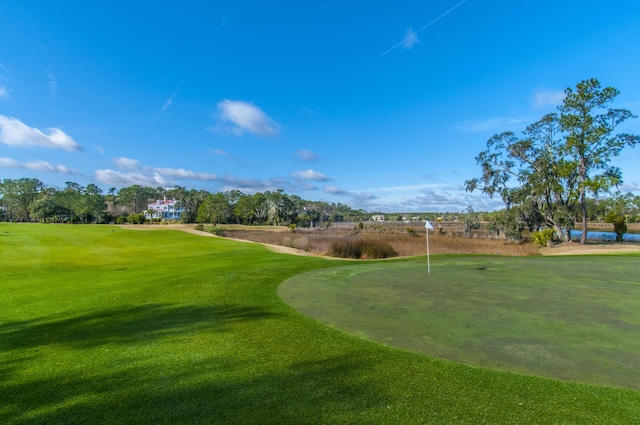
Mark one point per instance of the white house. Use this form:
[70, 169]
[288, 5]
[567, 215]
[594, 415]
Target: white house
[166, 209]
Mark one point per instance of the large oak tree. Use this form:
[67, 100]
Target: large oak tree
[559, 159]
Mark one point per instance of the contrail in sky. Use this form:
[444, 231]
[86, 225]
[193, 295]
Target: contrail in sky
[169, 101]
[426, 26]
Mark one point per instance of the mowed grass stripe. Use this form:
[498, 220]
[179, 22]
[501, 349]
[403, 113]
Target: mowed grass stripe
[126, 327]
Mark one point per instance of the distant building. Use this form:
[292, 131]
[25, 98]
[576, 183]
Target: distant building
[377, 217]
[165, 209]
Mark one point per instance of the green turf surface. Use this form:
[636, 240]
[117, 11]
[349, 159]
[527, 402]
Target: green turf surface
[104, 325]
[573, 318]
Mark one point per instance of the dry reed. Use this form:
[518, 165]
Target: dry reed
[404, 242]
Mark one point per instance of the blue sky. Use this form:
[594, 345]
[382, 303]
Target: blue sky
[379, 105]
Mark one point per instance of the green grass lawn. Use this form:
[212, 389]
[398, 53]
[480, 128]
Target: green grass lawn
[571, 318]
[100, 324]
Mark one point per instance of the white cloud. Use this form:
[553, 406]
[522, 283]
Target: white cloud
[366, 201]
[99, 149]
[306, 186]
[400, 188]
[410, 39]
[440, 199]
[126, 163]
[53, 84]
[120, 179]
[332, 190]
[489, 125]
[253, 185]
[36, 166]
[307, 155]
[4, 92]
[433, 21]
[132, 172]
[418, 198]
[182, 174]
[220, 152]
[310, 175]
[14, 132]
[246, 117]
[443, 199]
[545, 98]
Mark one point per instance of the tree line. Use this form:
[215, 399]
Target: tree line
[30, 200]
[546, 175]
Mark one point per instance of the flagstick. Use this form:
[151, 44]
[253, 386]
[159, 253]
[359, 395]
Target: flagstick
[427, 226]
[428, 260]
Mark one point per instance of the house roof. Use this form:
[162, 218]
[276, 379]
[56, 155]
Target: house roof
[161, 202]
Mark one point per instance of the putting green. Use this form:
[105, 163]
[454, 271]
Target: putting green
[571, 318]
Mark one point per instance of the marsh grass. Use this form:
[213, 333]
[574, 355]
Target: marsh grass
[404, 243]
[361, 248]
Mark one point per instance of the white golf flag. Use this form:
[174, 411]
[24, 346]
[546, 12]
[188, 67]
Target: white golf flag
[428, 225]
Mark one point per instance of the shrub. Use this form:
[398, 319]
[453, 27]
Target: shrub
[200, 227]
[361, 248]
[345, 249]
[619, 227]
[136, 218]
[542, 237]
[215, 230]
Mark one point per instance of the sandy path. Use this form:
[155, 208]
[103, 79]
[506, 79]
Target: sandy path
[574, 248]
[189, 228]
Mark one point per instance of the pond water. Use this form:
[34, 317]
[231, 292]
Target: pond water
[603, 236]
